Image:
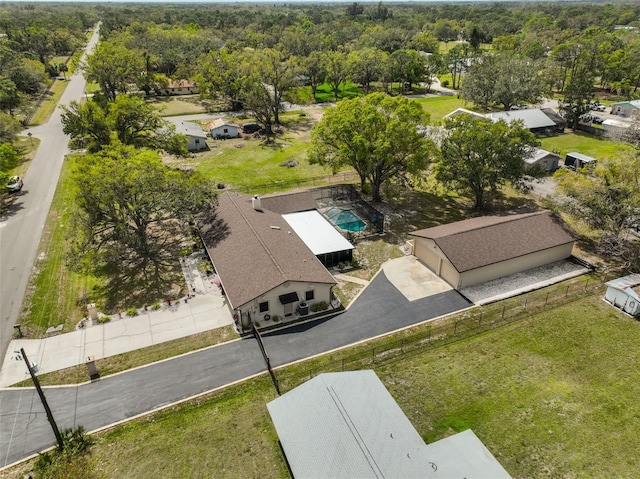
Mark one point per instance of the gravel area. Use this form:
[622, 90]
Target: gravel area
[518, 283]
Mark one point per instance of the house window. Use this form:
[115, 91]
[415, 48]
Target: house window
[308, 295]
[226, 130]
[264, 306]
[197, 141]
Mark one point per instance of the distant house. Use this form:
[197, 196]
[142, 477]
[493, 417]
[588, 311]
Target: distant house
[534, 119]
[624, 293]
[577, 160]
[626, 108]
[481, 249]
[347, 425]
[543, 159]
[196, 136]
[615, 127]
[265, 267]
[178, 87]
[221, 129]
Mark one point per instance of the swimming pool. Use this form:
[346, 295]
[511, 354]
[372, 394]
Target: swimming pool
[345, 220]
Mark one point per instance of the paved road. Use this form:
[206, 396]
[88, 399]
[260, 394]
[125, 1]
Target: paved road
[21, 226]
[381, 308]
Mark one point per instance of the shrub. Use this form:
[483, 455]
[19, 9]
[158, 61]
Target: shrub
[276, 318]
[340, 265]
[445, 83]
[132, 312]
[321, 306]
[70, 461]
[155, 306]
[104, 319]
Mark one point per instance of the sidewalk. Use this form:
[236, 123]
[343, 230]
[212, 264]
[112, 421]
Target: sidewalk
[120, 335]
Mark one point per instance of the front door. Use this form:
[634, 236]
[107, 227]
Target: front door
[288, 309]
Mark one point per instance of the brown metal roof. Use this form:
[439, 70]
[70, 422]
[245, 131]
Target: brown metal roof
[290, 203]
[486, 240]
[255, 251]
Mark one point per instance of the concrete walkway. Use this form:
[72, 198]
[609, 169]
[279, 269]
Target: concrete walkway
[198, 314]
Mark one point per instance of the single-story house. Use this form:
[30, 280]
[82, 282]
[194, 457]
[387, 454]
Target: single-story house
[624, 293]
[481, 249]
[626, 108]
[264, 267]
[196, 136]
[178, 87]
[577, 160]
[534, 119]
[221, 129]
[544, 159]
[347, 425]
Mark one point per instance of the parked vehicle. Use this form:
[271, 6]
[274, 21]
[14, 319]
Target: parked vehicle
[14, 184]
[251, 127]
[597, 120]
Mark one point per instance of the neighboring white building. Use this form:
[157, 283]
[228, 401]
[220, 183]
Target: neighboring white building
[546, 160]
[196, 136]
[221, 129]
[623, 293]
[347, 425]
[179, 87]
[626, 108]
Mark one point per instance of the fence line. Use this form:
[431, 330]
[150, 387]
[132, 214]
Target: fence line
[448, 330]
[347, 176]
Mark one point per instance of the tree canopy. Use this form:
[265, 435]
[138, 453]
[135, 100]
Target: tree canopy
[130, 215]
[479, 155]
[377, 135]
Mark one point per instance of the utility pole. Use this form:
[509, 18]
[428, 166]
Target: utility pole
[36, 383]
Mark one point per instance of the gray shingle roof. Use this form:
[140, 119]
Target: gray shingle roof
[190, 129]
[255, 251]
[486, 240]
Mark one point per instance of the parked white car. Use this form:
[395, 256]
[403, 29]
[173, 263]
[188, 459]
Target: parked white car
[14, 184]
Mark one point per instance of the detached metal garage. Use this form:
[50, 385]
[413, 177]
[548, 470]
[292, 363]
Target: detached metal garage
[489, 247]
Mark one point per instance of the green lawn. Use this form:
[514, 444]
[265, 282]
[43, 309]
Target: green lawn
[50, 103]
[439, 106]
[324, 93]
[55, 294]
[550, 396]
[599, 148]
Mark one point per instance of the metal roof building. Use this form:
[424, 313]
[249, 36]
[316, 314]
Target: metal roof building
[347, 425]
[624, 293]
[533, 119]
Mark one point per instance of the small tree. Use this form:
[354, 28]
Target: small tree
[479, 155]
[377, 135]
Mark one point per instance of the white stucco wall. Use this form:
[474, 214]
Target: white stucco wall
[321, 292]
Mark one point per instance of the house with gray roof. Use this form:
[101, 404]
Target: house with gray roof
[265, 268]
[347, 425]
[481, 249]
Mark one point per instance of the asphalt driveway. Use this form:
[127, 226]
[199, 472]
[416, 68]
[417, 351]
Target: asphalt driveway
[380, 309]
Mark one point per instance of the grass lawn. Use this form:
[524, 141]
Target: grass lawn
[50, 103]
[599, 148]
[55, 294]
[229, 161]
[550, 396]
[324, 93]
[439, 106]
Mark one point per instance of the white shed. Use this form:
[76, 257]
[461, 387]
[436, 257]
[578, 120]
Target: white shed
[623, 293]
[546, 160]
[221, 129]
[196, 137]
